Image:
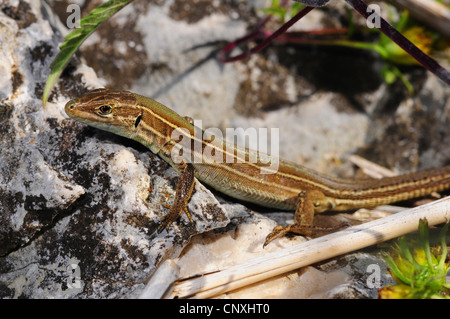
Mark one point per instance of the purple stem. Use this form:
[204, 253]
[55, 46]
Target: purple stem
[428, 62]
[230, 46]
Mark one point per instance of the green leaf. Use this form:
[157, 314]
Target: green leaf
[443, 245]
[425, 240]
[296, 8]
[388, 75]
[280, 12]
[74, 39]
[275, 9]
[391, 73]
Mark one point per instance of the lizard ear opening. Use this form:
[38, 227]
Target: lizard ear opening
[138, 120]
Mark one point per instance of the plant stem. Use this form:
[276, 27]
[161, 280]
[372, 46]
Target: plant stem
[222, 54]
[428, 62]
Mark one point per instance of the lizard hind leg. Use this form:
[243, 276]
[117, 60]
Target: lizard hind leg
[308, 202]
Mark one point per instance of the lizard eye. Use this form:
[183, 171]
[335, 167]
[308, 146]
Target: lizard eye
[105, 109]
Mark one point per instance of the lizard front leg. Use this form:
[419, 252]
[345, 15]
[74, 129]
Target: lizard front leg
[308, 203]
[183, 193]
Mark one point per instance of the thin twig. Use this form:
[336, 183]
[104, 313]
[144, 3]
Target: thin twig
[370, 168]
[222, 54]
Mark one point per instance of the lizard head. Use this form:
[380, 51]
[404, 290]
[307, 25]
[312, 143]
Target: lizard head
[113, 111]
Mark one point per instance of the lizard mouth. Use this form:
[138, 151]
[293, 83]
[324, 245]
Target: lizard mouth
[73, 110]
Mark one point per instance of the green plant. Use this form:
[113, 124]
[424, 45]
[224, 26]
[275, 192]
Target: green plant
[74, 39]
[281, 10]
[419, 270]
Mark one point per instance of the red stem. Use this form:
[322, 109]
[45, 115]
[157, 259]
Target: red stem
[221, 56]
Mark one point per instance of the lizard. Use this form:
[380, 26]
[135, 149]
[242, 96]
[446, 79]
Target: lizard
[290, 187]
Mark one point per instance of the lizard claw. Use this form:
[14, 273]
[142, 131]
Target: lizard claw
[165, 224]
[277, 232]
